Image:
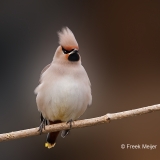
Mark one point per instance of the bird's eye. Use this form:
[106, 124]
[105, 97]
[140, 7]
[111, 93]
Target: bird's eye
[66, 51]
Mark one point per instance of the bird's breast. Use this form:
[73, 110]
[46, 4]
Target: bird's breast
[64, 99]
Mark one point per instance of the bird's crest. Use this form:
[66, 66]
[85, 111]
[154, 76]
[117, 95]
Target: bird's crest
[67, 39]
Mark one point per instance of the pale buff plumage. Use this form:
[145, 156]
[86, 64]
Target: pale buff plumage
[66, 38]
[64, 91]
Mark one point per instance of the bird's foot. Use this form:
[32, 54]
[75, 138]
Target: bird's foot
[70, 122]
[66, 132]
[42, 125]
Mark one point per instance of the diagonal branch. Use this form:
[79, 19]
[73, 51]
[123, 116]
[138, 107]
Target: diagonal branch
[80, 123]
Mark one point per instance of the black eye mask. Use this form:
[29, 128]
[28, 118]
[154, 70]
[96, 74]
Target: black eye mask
[66, 51]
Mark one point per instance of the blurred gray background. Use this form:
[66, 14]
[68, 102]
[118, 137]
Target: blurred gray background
[120, 49]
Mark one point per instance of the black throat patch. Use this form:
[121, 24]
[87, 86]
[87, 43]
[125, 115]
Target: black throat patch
[73, 57]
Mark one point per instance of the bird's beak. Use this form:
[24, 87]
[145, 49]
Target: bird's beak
[74, 56]
[74, 51]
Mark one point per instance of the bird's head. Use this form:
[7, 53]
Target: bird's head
[68, 49]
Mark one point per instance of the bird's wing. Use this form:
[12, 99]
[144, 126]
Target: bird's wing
[45, 68]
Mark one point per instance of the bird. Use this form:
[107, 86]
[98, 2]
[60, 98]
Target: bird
[64, 90]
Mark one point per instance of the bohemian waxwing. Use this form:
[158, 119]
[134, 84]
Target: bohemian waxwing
[64, 91]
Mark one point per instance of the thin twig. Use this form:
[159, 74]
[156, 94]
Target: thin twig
[80, 123]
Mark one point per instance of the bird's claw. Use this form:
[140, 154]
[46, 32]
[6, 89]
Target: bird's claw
[42, 126]
[66, 132]
[70, 123]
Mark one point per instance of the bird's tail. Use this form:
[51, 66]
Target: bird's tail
[51, 137]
